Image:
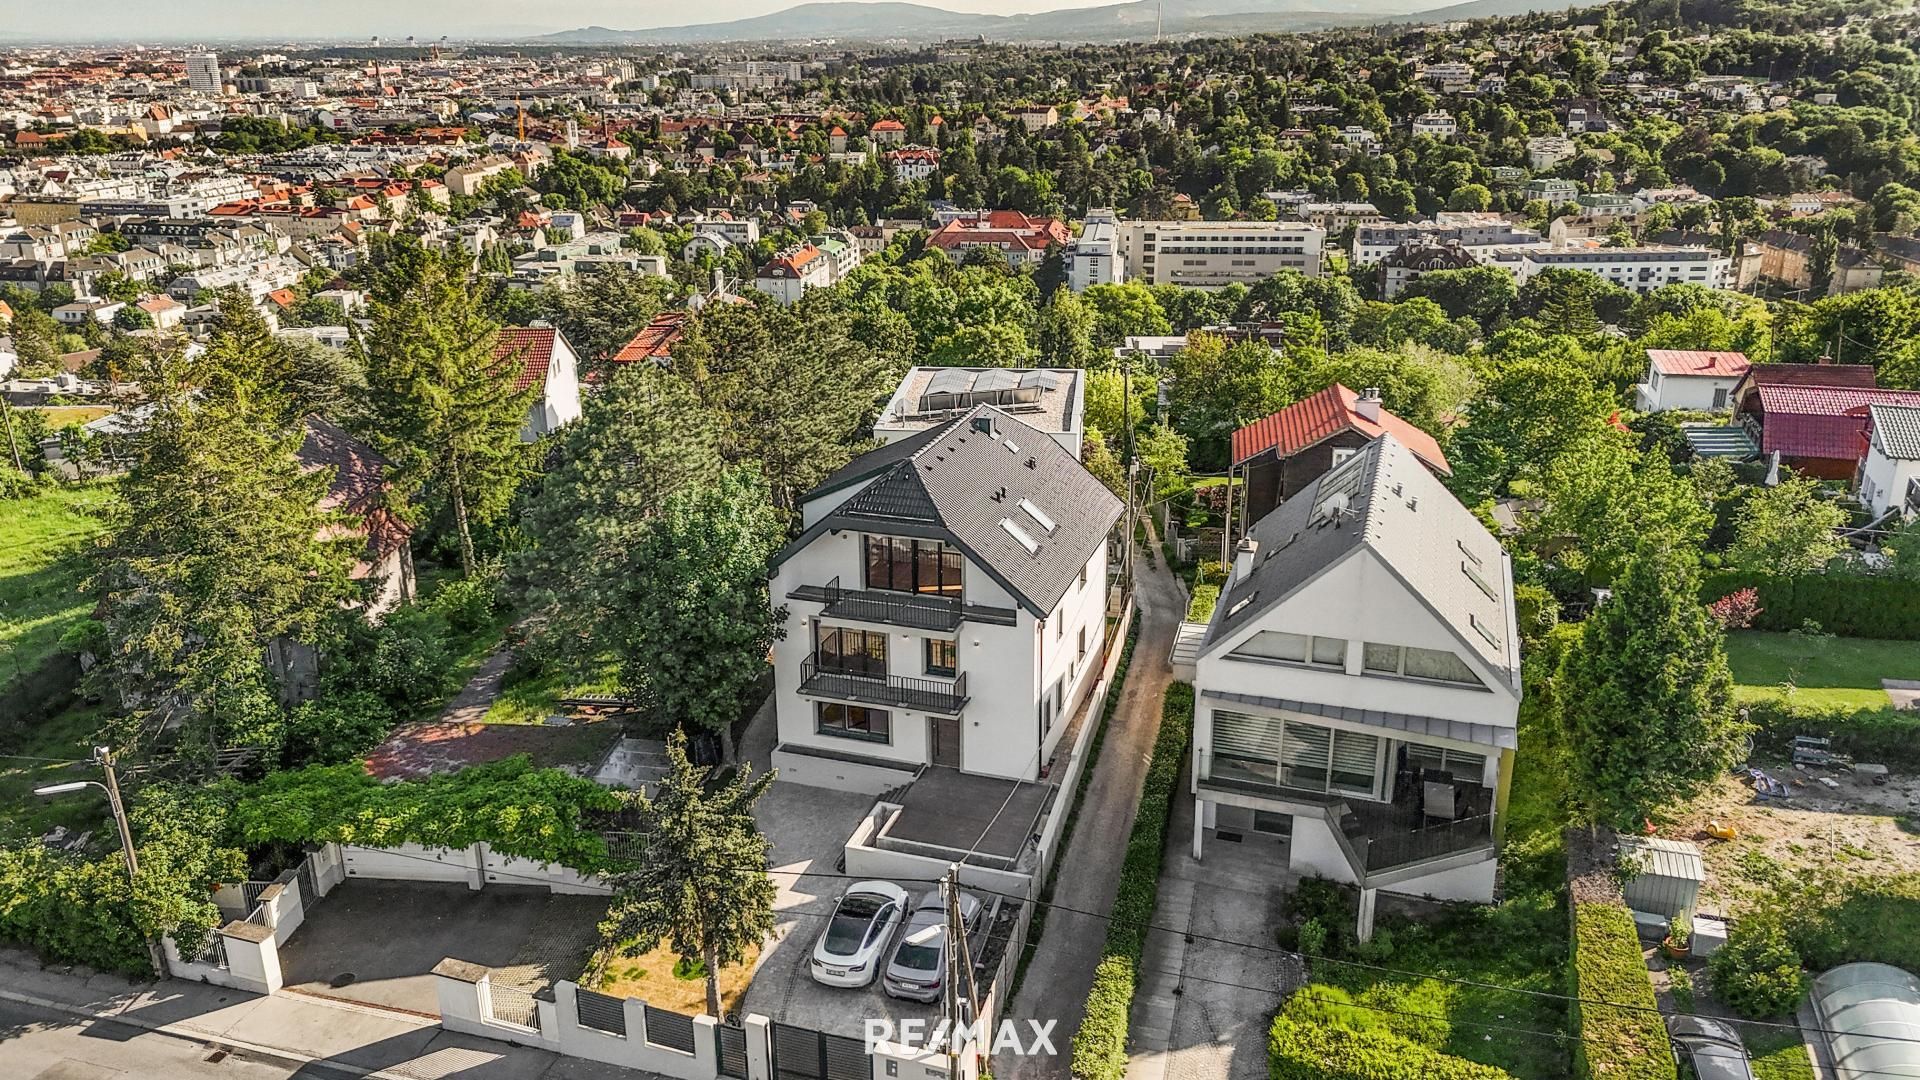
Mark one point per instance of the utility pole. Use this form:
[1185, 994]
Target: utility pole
[950, 986]
[104, 758]
[13, 444]
[1126, 422]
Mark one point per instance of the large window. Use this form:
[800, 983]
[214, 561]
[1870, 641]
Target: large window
[858, 652]
[1463, 765]
[1290, 753]
[1294, 648]
[898, 564]
[943, 657]
[1437, 665]
[853, 721]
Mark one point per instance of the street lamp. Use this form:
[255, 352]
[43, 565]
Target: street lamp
[104, 758]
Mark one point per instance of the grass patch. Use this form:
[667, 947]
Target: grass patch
[59, 416]
[1777, 1054]
[42, 544]
[661, 979]
[532, 700]
[66, 737]
[1825, 671]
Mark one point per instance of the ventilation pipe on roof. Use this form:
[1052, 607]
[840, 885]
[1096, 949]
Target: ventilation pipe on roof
[1368, 405]
[1243, 559]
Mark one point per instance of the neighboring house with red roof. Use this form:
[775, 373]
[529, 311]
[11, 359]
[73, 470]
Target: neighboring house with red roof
[1690, 379]
[1282, 454]
[546, 362]
[888, 133]
[655, 341]
[794, 271]
[1824, 373]
[1817, 430]
[1022, 239]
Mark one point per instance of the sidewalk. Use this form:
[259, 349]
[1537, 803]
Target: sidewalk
[331, 1037]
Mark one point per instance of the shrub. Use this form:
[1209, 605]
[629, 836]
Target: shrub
[1100, 1046]
[336, 728]
[1850, 605]
[408, 662]
[1313, 938]
[1616, 1043]
[1886, 735]
[1757, 972]
[1304, 1050]
[1204, 598]
[468, 604]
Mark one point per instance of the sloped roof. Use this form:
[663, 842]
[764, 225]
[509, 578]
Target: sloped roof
[1805, 375]
[531, 347]
[969, 483]
[654, 340]
[1397, 508]
[1821, 421]
[1897, 429]
[1323, 415]
[1699, 362]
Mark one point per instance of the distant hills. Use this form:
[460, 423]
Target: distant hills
[1134, 20]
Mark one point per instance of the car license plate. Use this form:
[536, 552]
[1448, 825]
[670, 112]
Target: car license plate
[833, 971]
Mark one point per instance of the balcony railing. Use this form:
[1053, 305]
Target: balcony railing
[1376, 837]
[842, 684]
[916, 611]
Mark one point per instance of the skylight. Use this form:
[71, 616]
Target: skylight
[1481, 582]
[1011, 445]
[1481, 627]
[1038, 515]
[1021, 535]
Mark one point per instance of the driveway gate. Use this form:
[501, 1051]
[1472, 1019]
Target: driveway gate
[805, 1054]
[733, 1050]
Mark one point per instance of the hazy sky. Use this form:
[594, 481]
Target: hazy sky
[135, 20]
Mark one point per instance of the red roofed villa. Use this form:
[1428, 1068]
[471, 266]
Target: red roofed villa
[1818, 430]
[1282, 454]
[547, 364]
[1690, 379]
[1021, 238]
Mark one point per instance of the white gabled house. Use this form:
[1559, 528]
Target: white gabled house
[1889, 477]
[946, 602]
[1357, 689]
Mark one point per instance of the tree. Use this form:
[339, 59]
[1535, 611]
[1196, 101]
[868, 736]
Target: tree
[602, 311]
[1534, 409]
[132, 317]
[1063, 333]
[1217, 388]
[692, 620]
[1106, 410]
[998, 344]
[440, 403]
[1163, 452]
[1646, 694]
[700, 879]
[1101, 461]
[1787, 529]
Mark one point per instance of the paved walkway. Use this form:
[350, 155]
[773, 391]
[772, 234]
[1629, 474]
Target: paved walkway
[321, 1038]
[1060, 975]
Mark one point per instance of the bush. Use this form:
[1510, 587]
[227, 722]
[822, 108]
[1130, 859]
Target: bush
[1313, 938]
[336, 728]
[1757, 972]
[1887, 735]
[1615, 1043]
[468, 604]
[1850, 605]
[1100, 1046]
[1305, 1050]
[407, 661]
[1204, 598]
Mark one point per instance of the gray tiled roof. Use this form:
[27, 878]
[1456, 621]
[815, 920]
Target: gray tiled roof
[1897, 429]
[1412, 523]
[964, 482]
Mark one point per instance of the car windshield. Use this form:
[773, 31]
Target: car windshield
[850, 922]
[921, 950]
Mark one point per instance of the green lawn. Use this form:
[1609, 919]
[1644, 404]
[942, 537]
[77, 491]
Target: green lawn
[1836, 671]
[60, 740]
[1778, 1054]
[41, 540]
[532, 700]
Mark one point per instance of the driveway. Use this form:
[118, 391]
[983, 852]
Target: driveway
[1060, 975]
[376, 942]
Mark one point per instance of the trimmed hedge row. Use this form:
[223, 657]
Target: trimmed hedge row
[1851, 605]
[1100, 1046]
[1301, 1050]
[1887, 735]
[1615, 1043]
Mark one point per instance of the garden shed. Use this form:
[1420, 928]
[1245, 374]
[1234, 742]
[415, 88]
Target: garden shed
[1662, 876]
[1871, 1013]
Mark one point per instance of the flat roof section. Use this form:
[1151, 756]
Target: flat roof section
[959, 812]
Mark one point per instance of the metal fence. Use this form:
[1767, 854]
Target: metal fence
[602, 1012]
[252, 890]
[511, 1005]
[213, 954]
[309, 886]
[732, 1054]
[670, 1029]
[805, 1054]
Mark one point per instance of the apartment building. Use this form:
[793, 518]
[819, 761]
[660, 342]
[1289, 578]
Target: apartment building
[1215, 254]
[1094, 257]
[1374, 242]
[1022, 239]
[1642, 269]
[945, 602]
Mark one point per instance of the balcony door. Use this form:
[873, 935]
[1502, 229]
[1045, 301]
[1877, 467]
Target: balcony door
[851, 652]
[922, 567]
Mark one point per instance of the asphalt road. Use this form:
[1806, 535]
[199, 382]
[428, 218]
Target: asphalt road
[40, 1044]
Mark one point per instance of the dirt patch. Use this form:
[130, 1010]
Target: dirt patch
[440, 746]
[1857, 827]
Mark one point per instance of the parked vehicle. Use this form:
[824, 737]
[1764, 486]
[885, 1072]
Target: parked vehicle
[1711, 1048]
[919, 964]
[850, 949]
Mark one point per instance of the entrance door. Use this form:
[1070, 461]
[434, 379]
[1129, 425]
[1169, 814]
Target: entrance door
[945, 737]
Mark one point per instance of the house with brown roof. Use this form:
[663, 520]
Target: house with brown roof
[1280, 455]
[1022, 239]
[654, 341]
[545, 363]
[1689, 379]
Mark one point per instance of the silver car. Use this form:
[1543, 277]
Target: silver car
[919, 964]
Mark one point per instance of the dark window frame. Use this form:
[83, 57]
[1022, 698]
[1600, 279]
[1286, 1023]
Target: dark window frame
[952, 651]
[875, 725]
[901, 564]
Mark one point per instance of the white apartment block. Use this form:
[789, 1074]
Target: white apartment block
[1546, 151]
[1094, 257]
[1641, 269]
[1215, 254]
[203, 72]
[1372, 243]
[946, 604]
[1436, 125]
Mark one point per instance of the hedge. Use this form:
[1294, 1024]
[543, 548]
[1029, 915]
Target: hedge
[1301, 1050]
[1615, 1043]
[1100, 1046]
[1886, 735]
[1851, 605]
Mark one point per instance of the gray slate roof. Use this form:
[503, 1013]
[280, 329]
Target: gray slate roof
[1897, 429]
[1411, 522]
[961, 481]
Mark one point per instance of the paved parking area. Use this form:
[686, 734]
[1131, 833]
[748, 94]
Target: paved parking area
[376, 942]
[809, 827]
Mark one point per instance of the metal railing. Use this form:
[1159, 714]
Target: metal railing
[1386, 850]
[928, 695]
[512, 1005]
[918, 611]
[670, 1029]
[601, 1012]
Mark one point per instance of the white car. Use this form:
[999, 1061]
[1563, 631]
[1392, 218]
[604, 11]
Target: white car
[851, 949]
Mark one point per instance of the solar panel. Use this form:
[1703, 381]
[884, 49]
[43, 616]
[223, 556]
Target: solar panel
[995, 379]
[1044, 380]
[950, 381]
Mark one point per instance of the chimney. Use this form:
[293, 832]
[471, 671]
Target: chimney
[1368, 405]
[1243, 559]
[1824, 358]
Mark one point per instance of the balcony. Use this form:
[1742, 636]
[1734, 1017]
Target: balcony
[1384, 842]
[842, 684]
[915, 611]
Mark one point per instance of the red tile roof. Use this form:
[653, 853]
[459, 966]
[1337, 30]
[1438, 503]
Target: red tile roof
[1821, 421]
[889, 125]
[655, 340]
[531, 347]
[1327, 413]
[1730, 365]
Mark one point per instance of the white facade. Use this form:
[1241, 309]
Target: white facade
[1094, 257]
[1641, 269]
[1215, 254]
[1436, 125]
[1890, 474]
[1372, 243]
[1663, 391]
[203, 72]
